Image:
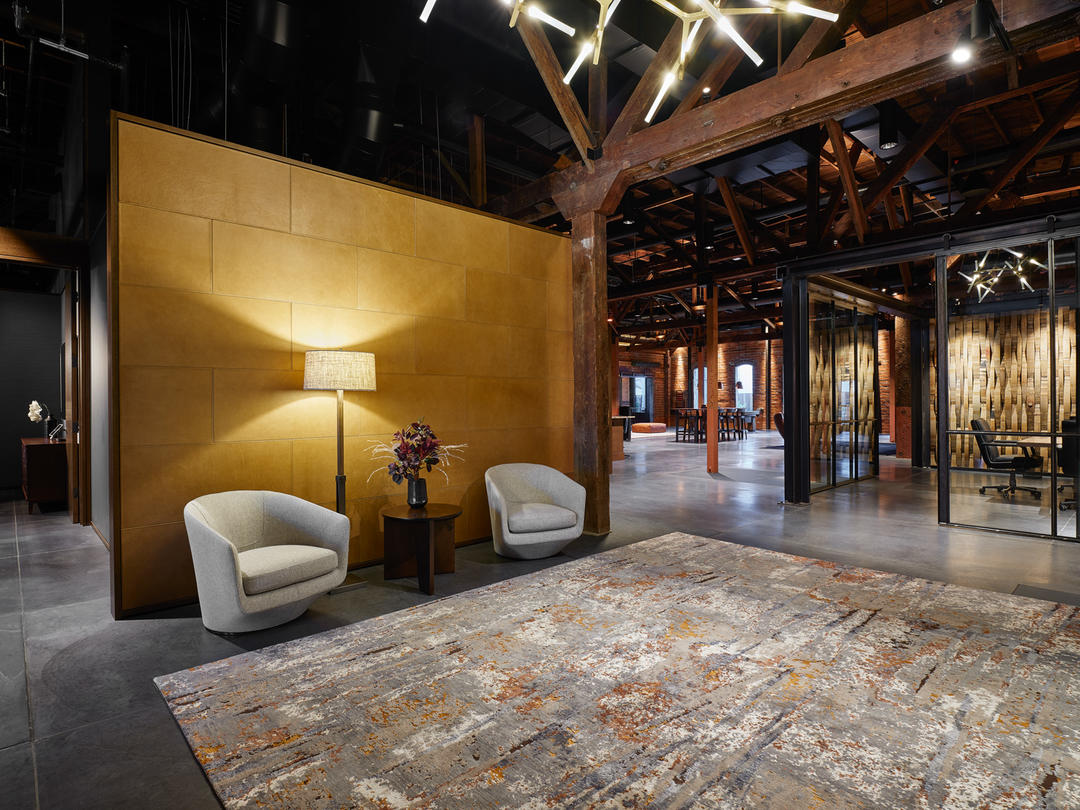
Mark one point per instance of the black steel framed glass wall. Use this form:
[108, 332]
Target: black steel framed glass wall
[843, 390]
[1004, 393]
[998, 333]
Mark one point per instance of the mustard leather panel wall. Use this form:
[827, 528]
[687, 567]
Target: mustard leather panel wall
[232, 264]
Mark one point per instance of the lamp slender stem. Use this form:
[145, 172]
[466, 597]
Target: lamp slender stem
[340, 479]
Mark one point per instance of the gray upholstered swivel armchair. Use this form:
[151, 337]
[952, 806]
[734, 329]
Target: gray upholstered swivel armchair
[262, 557]
[535, 510]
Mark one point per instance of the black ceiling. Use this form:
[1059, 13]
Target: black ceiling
[363, 87]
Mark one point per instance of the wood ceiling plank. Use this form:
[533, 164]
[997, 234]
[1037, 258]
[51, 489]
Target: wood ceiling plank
[926, 137]
[1024, 153]
[899, 60]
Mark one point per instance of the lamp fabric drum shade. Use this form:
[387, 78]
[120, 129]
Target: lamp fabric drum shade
[339, 371]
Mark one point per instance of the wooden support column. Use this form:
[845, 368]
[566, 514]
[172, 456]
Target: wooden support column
[712, 423]
[703, 238]
[477, 162]
[615, 382]
[592, 367]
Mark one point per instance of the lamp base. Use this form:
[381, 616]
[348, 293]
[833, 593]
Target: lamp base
[340, 481]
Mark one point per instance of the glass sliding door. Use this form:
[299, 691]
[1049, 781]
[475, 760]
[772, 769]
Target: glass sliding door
[844, 415]
[822, 444]
[867, 414]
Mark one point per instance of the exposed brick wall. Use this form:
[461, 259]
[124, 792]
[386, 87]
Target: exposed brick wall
[649, 363]
[681, 396]
[885, 344]
[731, 355]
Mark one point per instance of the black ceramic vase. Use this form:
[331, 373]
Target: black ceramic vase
[418, 493]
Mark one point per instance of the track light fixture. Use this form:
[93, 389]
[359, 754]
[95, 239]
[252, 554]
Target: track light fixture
[985, 21]
[964, 51]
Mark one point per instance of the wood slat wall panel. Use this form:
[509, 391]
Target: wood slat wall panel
[999, 370]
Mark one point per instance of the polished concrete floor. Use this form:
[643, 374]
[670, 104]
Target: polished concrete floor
[82, 725]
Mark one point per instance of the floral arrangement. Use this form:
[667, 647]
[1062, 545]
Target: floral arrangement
[38, 412]
[414, 448]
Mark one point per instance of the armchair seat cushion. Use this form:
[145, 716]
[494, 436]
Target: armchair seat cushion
[271, 567]
[538, 517]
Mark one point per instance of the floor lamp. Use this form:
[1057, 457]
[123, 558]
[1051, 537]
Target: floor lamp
[341, 372]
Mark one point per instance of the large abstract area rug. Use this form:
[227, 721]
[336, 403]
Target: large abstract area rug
[676, 672]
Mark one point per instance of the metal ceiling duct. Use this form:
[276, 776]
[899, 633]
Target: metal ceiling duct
[369, 115]
[265, 78]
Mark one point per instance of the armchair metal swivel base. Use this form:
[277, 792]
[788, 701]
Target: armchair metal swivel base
[1011, 487]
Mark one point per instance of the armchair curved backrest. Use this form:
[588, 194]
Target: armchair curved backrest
[530, 483]
[225, 528]
[984, 438]
[511, 486]
[1069, 455]
[250, 519]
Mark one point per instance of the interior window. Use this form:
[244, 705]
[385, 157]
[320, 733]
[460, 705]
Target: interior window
[744, 386]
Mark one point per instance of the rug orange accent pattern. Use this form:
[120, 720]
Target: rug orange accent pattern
[676, 672]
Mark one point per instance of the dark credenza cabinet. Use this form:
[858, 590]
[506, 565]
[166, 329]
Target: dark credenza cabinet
[44, 471]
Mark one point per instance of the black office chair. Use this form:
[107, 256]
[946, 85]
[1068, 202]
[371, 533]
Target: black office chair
[1068, 456]
[994, 459]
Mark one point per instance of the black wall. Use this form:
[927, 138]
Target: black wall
[30, 337]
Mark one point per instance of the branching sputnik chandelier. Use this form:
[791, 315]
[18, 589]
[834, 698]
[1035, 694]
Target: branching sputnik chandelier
[691, 27]
[983, 280]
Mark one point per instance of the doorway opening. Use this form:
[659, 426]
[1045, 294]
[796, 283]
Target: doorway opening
[41, 327]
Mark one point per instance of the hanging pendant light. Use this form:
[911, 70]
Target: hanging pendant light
[888, 131]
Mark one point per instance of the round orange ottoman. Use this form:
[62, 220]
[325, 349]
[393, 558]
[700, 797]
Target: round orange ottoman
[648, 427]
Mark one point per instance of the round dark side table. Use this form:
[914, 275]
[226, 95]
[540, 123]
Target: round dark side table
[419, 542]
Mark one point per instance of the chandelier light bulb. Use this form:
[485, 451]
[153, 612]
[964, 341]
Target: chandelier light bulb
[538, 14]
[799, 8]
[426, 12]
[583, 54]
[610, 11]
[669, 80]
